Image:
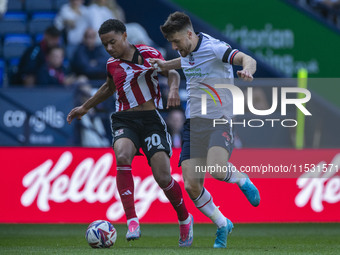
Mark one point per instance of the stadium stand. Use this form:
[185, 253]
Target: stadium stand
[38, 5]
[328, 10]
[13, 22]
[59, 3]
[2, 71]
[15, 45]
[39, 22]
[15, 5]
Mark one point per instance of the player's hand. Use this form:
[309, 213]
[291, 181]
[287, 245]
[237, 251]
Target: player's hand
[173, 98]
[157, 64]
[245, 75]
[76, 112]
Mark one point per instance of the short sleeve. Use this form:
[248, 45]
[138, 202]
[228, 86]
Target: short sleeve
[107, 71]
[224, 52]
[158, 54]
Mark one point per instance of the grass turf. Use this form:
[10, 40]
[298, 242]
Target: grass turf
[163, 239]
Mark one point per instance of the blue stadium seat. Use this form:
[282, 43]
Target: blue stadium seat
[12, 70]
[40, 21]
[38, 5]
[38, 37]
[14, 5]
[2, 72]
[13, 22]
[59, 3]
[15, 45]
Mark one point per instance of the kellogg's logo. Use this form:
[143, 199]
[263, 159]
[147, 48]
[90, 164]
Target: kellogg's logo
[89, 182]
[319, 186]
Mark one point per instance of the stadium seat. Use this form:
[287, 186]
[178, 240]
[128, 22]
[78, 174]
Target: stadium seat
[15, 45]
[38, 5]
[39, 22]
[2, 72]
[38, 37]
[13, 22]
[12, 70]
[14, 5]
[59, 3]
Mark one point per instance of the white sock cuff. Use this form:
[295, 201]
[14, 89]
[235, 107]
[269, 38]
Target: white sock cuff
[184, 222]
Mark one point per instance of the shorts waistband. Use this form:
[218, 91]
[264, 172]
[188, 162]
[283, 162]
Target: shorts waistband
[134, 114]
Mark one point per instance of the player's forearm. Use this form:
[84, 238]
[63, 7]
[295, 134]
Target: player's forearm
[103, 93]
[248, 63]
[172, 64]
[173, 79]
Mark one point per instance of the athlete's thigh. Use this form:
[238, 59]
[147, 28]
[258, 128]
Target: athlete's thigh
[217, 155]
[155, 137]
[124, 127]
[221, 145]
[124, 148]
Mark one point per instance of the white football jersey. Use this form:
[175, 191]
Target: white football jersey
[208, 64]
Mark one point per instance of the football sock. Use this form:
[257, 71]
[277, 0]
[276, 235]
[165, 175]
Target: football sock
[174, 193]
[126, 188]
[205, 204]
[234, 176]
[184, 222]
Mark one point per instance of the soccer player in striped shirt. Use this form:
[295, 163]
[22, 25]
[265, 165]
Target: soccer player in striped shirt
[137, 123]
[203, 57]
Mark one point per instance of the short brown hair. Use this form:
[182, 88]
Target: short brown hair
[176, 22]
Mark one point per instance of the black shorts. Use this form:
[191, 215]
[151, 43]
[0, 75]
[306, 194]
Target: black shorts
[202, 135]
[146, 129]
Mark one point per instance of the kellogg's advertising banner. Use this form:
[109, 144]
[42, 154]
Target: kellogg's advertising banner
[78, 185]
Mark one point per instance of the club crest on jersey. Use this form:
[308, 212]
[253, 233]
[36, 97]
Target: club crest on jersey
[119, 132]
[191, 59]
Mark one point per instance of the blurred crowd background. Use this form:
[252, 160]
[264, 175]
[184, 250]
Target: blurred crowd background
[51, 59]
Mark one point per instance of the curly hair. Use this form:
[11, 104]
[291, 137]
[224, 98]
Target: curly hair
[112, 25]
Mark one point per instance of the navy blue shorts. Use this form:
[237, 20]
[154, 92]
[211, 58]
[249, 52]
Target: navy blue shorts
[202, 136]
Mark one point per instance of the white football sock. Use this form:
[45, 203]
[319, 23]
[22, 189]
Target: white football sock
[234, 175]
[206, 205]
[184, 222]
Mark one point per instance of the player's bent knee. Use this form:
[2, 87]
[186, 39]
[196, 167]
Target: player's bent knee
[123, 159]
[162, 180]
[193, 189]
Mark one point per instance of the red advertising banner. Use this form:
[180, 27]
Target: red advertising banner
[78, 185]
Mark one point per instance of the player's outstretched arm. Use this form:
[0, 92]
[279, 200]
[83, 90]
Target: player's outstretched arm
[248, 64]
[166, 65]
[103, 93]
[173, 82]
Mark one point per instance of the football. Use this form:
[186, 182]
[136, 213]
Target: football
[101, 234]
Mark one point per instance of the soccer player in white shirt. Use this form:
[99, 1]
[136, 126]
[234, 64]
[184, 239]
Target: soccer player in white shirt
[204, 57]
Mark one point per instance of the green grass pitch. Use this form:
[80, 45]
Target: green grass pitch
[163, 239]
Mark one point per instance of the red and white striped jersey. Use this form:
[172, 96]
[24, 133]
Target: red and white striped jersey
[135, 84]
